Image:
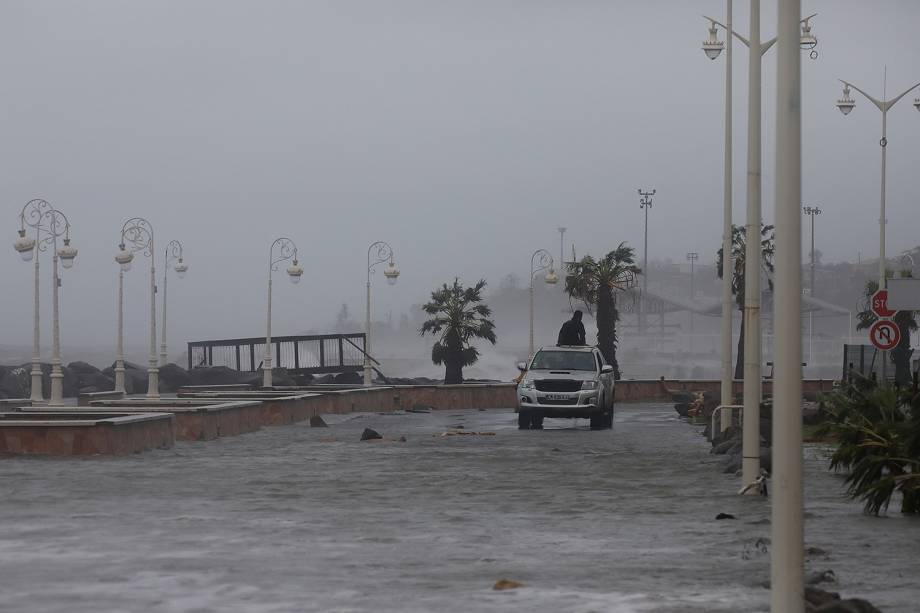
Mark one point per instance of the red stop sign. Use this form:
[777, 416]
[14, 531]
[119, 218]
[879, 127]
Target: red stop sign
[880, 304]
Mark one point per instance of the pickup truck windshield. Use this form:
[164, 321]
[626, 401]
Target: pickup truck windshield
[564, 360]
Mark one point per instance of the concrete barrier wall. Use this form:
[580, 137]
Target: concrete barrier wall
[661, 391]
[107, 436]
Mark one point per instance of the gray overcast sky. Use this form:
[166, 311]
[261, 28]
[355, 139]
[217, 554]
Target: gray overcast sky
[463, 132]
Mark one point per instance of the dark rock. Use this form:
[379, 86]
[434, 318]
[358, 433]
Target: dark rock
[23, 373]
[723, 447]
[83, 368]
[96, 380]
[318, 422]
[14, 382]
[766, 430]
[219, 375]
[172, 377]
[816, 552]
[818, 597]
[682, 408]
[818, 577]
[732, 463]
[725, 516]
[848, 605]
[732, 432]
[369, 435]
[324, 380]
[766, 459]
[348, 378]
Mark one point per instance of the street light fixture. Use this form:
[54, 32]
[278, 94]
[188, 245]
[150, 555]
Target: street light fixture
[173, 254]
[281, 250]
[753, 386]
[137, 236]
[545, 262]
[384, 253]
[49, 225]
[712, 46]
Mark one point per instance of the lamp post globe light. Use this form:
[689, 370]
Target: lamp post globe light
[49, 225]
[137, 236]
[540, 260]
[378, 253]
[752, 333]
[173, 254]
[281, 250]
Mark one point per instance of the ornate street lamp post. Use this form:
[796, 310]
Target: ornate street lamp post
[645, 203]
[49, 225]
[281, 250]
[173, 254]
[545, 262]
[753, 385]
[137, 236]
[383, 253]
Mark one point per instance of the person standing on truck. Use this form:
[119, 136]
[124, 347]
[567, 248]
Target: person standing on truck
[572, 331]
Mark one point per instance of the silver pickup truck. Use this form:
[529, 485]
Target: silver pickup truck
[565, 382]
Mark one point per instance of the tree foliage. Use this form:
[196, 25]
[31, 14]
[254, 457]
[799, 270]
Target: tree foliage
[739, 253]
[594, 282]
[457, 316]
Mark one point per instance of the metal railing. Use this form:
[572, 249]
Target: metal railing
[317, 353]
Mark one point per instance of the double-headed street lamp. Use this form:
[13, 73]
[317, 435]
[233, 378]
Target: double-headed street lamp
[545, 262]
[282, 249]
[137, 236]
[752, 290]
[383, 253]
[645, 203]
[49, 225]
[846, 105]
[173, 254]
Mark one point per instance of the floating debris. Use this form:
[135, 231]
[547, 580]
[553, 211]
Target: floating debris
[507, 584]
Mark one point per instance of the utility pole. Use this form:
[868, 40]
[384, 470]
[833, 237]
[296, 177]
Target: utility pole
[645, 203]
[811, 211]
[562, 249]
[692, 257]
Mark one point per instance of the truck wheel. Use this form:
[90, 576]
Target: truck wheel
[608, 418]
[536, 422]
[523, 420]
[598, 422]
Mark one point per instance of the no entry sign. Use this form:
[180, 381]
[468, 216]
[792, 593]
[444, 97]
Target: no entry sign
[885, 335]
[880, 304]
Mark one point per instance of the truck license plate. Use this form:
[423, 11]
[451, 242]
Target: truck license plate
[557, 396]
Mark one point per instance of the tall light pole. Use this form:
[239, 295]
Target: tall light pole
[811, 211]
[712, 48]
[49, 225]
[384, 253]
[173, 254]
[281, 250]
[645, 203]
[562, 247]
[787, 562]
[692, 257]
[137, 236]
[846, 105]
[753, 386]
[545, 262]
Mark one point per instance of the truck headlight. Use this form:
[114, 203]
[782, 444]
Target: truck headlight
[526, 384]
[589, 385]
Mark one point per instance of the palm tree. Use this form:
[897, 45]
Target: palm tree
[458, 315]
[905, 320]
[738, 280]
[593, 282]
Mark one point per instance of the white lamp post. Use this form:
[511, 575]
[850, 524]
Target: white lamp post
[561, 248]
[846, 105]
[383, 253]
[645, 202]
[787, 559]
[753, 386]
[545, 262]
[811, 211]
[173, 254]
[281, 250]
[137, 236]
[49, 225]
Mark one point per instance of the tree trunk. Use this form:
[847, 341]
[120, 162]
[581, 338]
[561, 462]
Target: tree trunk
[739, 361]
[911, 502]
[453, 368]
[606, 327]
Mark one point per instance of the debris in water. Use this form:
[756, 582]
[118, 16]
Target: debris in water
[725, 516]
[464, 433]
[370, 435]
[506, 584]
[318, 422]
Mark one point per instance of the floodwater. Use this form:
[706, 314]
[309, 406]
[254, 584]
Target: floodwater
[296, 518]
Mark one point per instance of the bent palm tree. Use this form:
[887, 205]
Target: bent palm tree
[458, 315]
[738, 279]
[593, 282]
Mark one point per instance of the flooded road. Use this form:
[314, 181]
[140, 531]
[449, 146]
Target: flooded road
[310, 519]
